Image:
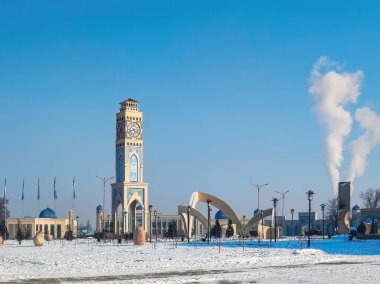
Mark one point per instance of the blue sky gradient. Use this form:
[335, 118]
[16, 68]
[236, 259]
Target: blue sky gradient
[223, 86]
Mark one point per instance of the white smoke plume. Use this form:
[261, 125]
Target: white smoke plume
[333, 90]
[361, 147]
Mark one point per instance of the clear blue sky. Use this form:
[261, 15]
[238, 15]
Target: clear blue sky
[223, 86]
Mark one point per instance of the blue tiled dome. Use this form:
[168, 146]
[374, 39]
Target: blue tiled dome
[256, 211]
[369, 219]
[99, 208]
[48, 213]
[356, 207]
[220, 215]
[139, 207]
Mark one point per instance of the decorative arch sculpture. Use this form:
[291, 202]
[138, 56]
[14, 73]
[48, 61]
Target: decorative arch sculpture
[194, 213]
[218, 203]
[255, 219]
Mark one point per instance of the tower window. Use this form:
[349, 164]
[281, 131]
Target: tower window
[120, 177]
[133, 169]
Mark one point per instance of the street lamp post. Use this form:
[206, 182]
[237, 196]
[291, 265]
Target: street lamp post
[309, 194]
[283, 199]
[159, 224]
[275, 221]
[188, 224]
[150, 223]
[155, 222]
[104, 180]
[5, 210]
[258, 192]
[125, 222]
[262, 226]
[323, 220]
[292, 212]
[208, 220]
[270, 232]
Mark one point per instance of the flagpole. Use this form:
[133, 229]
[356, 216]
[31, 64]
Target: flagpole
[55, 209]
[38, 198]
[22, 199]
[74, 194]
[5, 203]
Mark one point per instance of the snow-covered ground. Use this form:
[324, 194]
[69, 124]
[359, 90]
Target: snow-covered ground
[87, 261]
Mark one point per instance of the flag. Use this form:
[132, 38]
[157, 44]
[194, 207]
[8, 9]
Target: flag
[55, 192]
[5, 188]
[22, 195]
[74, 196]
[38, 192]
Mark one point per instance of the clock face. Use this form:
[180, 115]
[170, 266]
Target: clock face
[120, 130]
[133, 129]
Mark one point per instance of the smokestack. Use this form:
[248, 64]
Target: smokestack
[344, 195]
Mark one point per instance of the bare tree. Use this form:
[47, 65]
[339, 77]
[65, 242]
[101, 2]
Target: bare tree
[371, 197]
[332, 213]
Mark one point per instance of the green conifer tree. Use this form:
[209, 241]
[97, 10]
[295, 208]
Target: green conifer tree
[230, 229]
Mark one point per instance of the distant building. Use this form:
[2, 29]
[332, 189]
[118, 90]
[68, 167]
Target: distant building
[162, 222]
[99, 219]
[371, 219]
[303, 221]
[355, 216]
[47, 222]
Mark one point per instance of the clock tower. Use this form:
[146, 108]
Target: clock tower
[129, 192]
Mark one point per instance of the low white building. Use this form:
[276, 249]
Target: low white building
[47, 222]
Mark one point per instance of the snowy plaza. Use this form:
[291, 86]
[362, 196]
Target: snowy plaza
[189, 142]
[286, 261]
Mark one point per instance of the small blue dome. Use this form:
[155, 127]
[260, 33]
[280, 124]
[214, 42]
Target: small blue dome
[48, 213]
[99, 208]
[257, 211]
[139, 207]
[356, 207]
[369, 219]
[220, 215]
